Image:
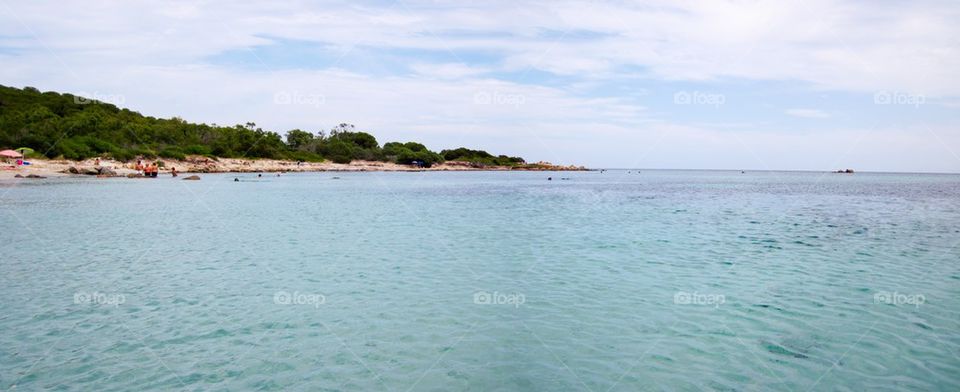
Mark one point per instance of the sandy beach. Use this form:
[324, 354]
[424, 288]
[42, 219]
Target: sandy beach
[199, 164]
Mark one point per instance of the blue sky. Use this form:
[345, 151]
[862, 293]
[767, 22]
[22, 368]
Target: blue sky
[812, 85]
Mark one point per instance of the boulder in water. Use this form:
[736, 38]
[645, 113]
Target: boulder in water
[192, 178]
[106, 171]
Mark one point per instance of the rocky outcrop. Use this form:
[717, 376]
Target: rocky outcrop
[104, 171]
[100, 171]
[192, 178]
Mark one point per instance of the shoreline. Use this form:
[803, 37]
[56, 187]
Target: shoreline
[201, 165]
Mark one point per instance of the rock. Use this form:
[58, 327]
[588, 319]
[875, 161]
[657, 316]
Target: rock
[17, 176]
[73, 170]
[192, 178]
[106, 171]
[34, 176]
[90, 172]
[133, 175]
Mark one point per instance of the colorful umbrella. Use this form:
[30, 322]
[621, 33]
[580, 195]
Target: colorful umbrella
[10, 154]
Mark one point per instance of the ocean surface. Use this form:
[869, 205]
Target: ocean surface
[614, 281]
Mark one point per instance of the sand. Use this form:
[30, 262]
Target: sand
[199, 164]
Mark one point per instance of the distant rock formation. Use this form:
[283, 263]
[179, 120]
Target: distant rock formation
[101, 171]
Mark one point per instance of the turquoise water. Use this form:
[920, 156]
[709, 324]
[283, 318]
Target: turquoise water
[659, 280]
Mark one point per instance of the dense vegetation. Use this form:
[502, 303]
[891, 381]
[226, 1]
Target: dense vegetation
[72, 127]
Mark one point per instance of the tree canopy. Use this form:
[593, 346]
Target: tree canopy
[67, 126]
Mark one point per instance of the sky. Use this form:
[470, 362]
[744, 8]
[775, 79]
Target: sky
[757, 85]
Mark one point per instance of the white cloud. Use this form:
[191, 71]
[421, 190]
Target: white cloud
[835, 45]
[447, 70]
[807, 113]
[158, 56]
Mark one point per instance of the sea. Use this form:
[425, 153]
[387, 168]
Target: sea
[616, 280]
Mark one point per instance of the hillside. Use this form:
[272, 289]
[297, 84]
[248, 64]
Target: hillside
[72, 127]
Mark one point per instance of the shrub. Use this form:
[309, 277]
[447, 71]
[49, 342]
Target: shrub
[144, 152]
[197, 149]
[71, 148]
[428, 158]
[122, 155]
[173, 153]
[338, 151]
[303, 156]
[464, 154]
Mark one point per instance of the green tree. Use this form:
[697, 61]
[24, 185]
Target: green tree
[63, 125]
[338, 151]
[298, 139]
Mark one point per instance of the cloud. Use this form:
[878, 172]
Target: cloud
[447, 70]
[833, 45]
[807, 113]
[579, 82]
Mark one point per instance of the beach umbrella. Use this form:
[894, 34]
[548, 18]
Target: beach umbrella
[24, 150]
[10, 154]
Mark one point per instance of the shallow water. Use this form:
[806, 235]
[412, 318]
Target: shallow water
[658, 280]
